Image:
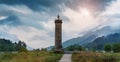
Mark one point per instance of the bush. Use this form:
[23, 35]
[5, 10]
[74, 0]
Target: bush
[74, 47]
[116, 47]
[23, 49]
[108, 48]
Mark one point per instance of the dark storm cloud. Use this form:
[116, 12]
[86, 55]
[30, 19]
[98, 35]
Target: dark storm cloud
[11, 21]
[35, 5]
[46, 5]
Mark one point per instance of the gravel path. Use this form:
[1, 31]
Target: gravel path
[66, 58]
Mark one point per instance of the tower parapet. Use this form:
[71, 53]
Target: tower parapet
[58, 20]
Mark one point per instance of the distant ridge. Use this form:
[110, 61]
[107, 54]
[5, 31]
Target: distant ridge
[100, 42]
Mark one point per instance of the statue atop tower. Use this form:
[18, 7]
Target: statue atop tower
[58, 20]
[58, 34]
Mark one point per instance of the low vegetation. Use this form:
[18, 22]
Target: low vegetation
[95, 57]
[30, 57]
[75, 47]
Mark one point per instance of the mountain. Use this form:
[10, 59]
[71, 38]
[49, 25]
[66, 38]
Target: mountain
[100, 42]
[90, 36]
[79, 40]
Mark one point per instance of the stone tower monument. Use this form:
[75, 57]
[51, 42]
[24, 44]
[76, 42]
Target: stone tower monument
[58, 34]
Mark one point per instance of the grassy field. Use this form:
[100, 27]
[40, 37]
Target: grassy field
[95, 57]
[30, 57]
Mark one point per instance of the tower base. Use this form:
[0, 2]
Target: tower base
[59, 51]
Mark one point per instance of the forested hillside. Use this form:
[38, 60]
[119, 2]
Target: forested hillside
[7, 45]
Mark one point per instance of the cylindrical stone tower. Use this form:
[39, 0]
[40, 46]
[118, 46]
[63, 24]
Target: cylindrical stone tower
[58, 34]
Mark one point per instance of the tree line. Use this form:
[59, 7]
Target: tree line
[8, 46]
[113, 48]
[75, 47]
[107, 48]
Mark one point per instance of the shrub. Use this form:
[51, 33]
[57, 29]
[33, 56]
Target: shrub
[108, 48]
[116, 47]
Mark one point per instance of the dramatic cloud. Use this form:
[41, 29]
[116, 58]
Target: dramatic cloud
[10, 20]
[93, 5]
[8, 36]
[36, 5]
[45, 5]
[32, 36]
[33, 20]
[3, 17]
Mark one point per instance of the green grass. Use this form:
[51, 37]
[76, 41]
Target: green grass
[95, 57]
[116, 55]
[30, 57]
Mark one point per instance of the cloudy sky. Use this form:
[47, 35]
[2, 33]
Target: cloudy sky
[32, 21]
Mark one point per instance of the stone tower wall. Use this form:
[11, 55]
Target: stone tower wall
[58, 36]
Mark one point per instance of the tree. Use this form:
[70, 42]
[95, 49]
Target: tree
[23, 49]
[37, 50]
[8, 46]
[107, 48]
[43, 49]
[21, 46]
[19, 43]
[24, 45]
[74, 47]
[116, 47]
